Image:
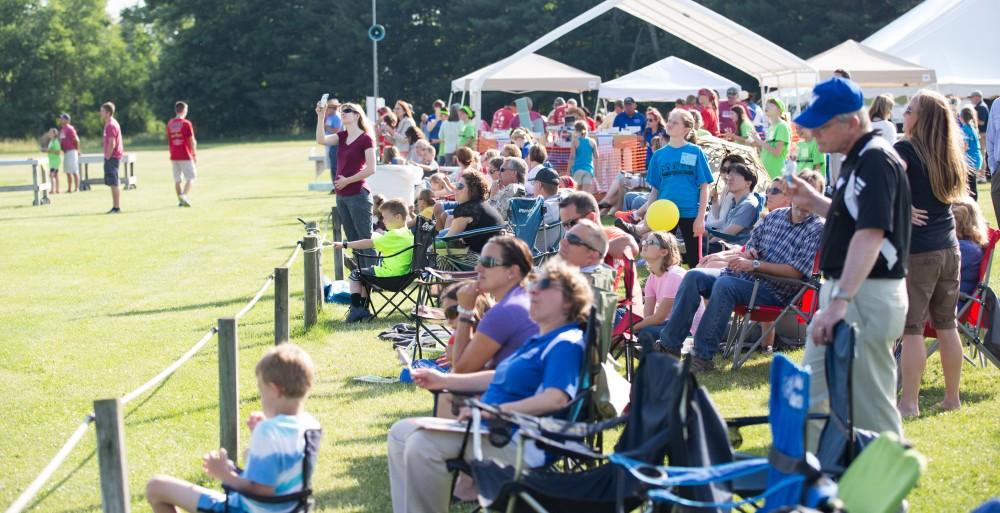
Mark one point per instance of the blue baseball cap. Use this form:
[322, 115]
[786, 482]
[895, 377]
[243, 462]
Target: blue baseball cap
[830, 98]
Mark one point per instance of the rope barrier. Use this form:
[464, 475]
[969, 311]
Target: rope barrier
[36, 485]
[29, 493]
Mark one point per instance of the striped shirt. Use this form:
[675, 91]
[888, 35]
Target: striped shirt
[778, 240]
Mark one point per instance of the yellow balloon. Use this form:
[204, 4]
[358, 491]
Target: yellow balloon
[662, 215]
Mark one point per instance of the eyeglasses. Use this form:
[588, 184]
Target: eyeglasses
[490, 262]
[775, 190]
[571, 223]
[459, 186]
[576, 240]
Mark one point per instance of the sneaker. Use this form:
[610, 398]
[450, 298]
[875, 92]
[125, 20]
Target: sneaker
[664, 349]
[184, 201]
[358, 313]
[628, 228]
[180, 203]
[114, 210]
[699, 365]
[625, 215]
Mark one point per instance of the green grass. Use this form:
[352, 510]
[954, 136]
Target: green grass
[92, 306]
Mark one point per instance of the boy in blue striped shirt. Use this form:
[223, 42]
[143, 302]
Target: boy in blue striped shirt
[277, 446]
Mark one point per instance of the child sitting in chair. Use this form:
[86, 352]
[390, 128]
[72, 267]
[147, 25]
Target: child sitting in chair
[396, 239]
[277, 445]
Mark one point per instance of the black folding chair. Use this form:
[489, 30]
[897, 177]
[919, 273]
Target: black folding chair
[396, 291]
[303, 499]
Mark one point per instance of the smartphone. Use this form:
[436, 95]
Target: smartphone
[323, 99]
[404, 357]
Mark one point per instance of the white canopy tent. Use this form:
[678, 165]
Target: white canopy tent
[664, 81]
[696, 24]
[956, 38]
[876, 72]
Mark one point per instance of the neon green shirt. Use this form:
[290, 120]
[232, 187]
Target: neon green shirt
[746, 129]
[467, 134]
[775, 164]
[808, 156]
[392, 242]
[55, 159]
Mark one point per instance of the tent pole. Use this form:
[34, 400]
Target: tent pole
[450, 96]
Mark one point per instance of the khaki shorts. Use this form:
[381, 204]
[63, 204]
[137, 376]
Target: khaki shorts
[184, 168]
[583, 177]
[71, 162]
[932, 288]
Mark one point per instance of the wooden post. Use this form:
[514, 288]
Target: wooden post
[111, 456]
[229, 397]
[280, 305]
[309, 256]
[338, 254]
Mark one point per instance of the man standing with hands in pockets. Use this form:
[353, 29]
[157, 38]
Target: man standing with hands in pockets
[863, 257]
[113, 151]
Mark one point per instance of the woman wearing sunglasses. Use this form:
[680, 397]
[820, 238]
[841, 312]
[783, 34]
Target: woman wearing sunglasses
[355, 163]
[539, 379]
[473, 211]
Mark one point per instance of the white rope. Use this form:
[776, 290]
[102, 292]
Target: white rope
[29, 493]
[260, 294]
[169, 370]
[291, 259]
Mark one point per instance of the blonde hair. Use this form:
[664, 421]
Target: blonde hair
[881, 107]
[289, 367]
[362, 118]
[969, 221]
[667, 242]
[688, 120]
[938, 143]
[511, 150]
[580, 127]
[575, 288]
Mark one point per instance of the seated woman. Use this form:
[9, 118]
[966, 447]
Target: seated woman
[663, 258]
[472, 211]
[541, 378]
[741, 217]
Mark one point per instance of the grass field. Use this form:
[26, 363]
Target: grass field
[92, 306]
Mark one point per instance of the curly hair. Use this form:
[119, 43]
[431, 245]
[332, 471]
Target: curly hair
[478, 184]
[575, 288]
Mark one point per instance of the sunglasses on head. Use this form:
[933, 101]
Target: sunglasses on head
[576, 240]
[490, 262]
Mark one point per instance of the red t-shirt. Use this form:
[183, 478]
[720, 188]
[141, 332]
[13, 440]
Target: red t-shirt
[180, 133]
[502, 119]
[351, 160]
[113, 139]
[727, 118]
[558, 115]
[710, 120]
[67, 138]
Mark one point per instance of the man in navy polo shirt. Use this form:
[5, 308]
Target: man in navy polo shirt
[630, 117]
[866, 243]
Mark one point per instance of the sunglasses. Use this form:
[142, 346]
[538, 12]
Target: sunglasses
[569, 224]
[576, 240]
[545, 283]
[348, 110]
[653, 242]
[489, 262]
[775, 190]
[459, 186]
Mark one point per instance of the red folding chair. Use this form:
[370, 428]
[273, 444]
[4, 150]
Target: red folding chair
[972, 324]
[803, 305]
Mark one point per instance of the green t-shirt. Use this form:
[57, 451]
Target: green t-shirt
[775, 164]
[808, 156]
[467, 134]
[392, 242]
[54, 157]
[746, 129]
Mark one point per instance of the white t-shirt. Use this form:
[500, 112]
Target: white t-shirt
[887, 128]
[449, 135]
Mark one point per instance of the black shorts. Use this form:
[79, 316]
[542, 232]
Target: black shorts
[366, 272]
[111, 172]
[53, 169]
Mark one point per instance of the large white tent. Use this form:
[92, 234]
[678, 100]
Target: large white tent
[956, 38]
[696, 24]
[664, 81]
[531, 72]
[872, 69]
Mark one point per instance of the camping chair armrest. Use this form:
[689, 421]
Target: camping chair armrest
[440, 277]
[739, 422]
[812, 284]
[472, 233]
[723, 236]
[272, 499]
[549, 426]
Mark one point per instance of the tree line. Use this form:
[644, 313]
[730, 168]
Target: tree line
[255, 67]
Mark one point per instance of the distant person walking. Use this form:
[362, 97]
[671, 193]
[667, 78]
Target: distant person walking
[113, 151]
[70, 144]
[55, 158]
[183, 156]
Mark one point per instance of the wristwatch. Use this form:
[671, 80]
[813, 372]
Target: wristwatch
[755, 264]
[839, 293]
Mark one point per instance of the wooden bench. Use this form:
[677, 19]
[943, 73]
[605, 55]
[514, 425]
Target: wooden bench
[126, 168]
[38, 186]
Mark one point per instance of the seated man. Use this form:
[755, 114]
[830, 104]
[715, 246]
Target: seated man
[396, 238]
[511, 185]
[585, 246]
[546, 185]
[784, 244]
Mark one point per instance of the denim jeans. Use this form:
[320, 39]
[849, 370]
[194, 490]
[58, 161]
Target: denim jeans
[356, 215]
[724, 293]
[649, 335]
[634, 200]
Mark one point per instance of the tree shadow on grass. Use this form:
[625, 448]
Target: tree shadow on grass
[368, 493]
[270, 197]
[184, 308]
[932, 395]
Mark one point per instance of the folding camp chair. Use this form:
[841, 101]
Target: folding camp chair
[396, 291]
[972, 319]
[802, 305]
[527, 222]
[881, 477]
[451, 252]
[302, 499]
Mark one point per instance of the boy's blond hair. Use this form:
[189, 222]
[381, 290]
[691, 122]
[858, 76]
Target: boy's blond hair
[289, 367]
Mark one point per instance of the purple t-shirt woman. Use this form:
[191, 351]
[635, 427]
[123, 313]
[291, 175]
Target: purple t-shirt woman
[508, 324]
